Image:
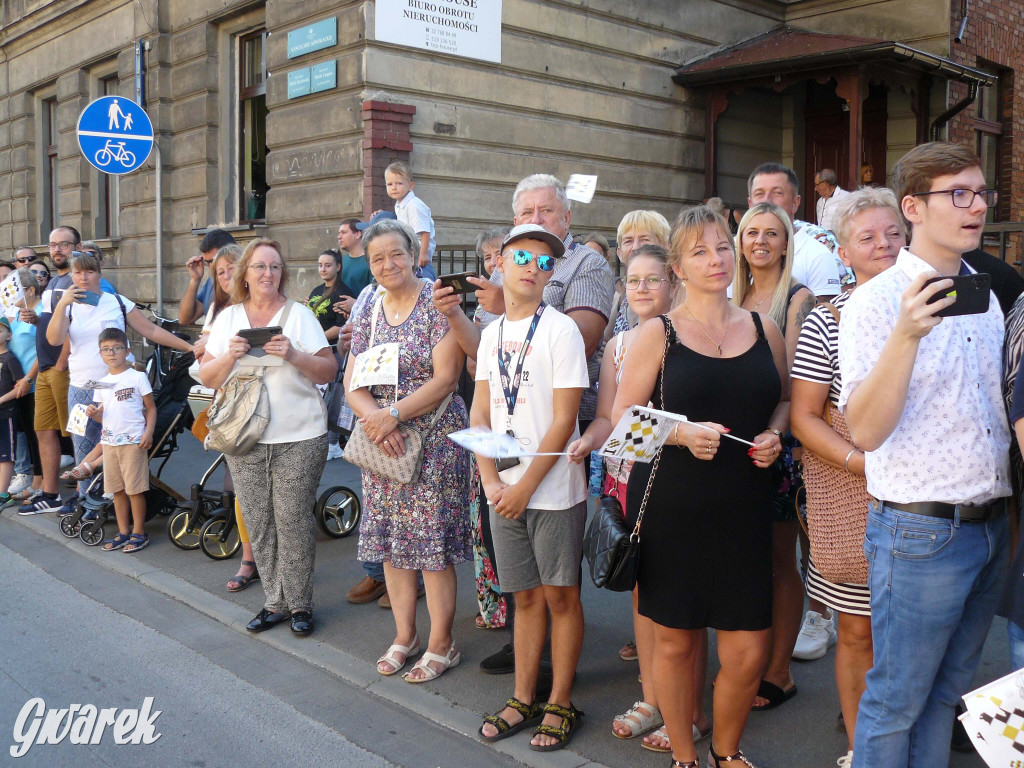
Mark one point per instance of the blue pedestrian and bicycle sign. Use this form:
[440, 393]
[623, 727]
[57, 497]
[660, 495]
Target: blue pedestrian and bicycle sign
[115, 134]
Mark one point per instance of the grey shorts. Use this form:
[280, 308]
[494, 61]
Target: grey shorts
[542, 547]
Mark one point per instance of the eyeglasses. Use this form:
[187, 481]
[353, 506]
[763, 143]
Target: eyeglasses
[653, 282]
[112, 350]
[23, 260]
[964, 198]
[545, 263]
[261, 267]
[62, 246]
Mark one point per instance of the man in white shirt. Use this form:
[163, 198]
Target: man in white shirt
[814, 264]
[829, 193]
[922, 395]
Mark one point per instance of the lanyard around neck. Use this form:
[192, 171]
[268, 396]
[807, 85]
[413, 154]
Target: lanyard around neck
[510, 384]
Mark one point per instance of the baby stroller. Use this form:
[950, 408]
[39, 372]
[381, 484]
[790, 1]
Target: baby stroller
[173, 417]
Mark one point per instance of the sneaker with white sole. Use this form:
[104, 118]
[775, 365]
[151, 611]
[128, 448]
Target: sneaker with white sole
[817, 635]
[66, 461]
[43, 502]
[846, 761]
[335, 452]
[19, 483]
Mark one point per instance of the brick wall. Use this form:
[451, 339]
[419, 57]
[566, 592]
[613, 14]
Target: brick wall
[995, 38]
[385, 141]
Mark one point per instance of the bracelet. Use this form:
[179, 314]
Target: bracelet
[846, 463]
[776, 432]
[675, 433]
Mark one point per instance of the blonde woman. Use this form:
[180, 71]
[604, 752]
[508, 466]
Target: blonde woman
[636, 228]
[764, 284]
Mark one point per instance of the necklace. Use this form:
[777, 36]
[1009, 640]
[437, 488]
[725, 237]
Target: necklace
[718, 344]
[762, 301]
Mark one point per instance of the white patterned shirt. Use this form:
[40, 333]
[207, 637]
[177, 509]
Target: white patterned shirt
[952, 441]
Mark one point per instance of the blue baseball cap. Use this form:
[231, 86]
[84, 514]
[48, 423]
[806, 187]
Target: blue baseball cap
[380, 216]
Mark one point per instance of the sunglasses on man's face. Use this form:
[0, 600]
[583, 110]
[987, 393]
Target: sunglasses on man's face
[25, 260]
[545, 262]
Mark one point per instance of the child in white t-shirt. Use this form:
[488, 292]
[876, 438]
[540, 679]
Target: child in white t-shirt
[128, 414]
[530, 376]
[412, 211]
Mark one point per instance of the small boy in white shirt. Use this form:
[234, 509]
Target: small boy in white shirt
[412, 211]
[128, 414]
[530, 376]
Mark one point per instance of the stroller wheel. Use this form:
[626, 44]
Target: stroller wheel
[210, 536]
[69, 526]
[337, 511]
[92, 532]
[180, 533]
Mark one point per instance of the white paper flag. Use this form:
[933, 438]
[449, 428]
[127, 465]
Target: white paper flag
[11, 293]
[377, 365]
[639, 434]
[78, 420]
[493, 445]
[581, 187]
[994, 721]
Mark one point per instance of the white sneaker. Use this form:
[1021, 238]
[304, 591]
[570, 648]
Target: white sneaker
[817, 635]
[66, 461]
[334, 451]
[846, 761]
[19, 483]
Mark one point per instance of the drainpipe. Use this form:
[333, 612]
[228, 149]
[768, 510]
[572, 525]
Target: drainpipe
[956, 109]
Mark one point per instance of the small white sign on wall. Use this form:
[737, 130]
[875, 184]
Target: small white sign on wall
[470, 28]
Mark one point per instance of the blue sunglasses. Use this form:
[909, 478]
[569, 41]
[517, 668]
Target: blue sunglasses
[545, 263]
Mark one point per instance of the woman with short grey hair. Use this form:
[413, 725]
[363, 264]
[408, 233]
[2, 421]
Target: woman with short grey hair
[423, 526]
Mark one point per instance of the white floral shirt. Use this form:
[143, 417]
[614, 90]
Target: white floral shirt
[952, 442]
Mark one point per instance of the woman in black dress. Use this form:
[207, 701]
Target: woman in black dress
[705, 540]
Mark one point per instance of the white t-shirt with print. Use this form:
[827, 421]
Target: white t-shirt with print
[124, 414]
[85, 362]
[556, 359]
[297, 411]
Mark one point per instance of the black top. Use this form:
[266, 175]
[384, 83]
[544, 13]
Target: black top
[706, 537]
[46, 353]
[10, 372]
[323, 306]
[1007, 284]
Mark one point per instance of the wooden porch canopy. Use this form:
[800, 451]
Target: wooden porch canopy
[785, 55]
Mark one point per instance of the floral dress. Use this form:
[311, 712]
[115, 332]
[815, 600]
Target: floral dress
[489, 598]
[423, 526]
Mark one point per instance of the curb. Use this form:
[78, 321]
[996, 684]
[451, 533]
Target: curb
[344, 666]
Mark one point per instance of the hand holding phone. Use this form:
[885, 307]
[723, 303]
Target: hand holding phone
[458, 282]
[970, 293]
[257, 337]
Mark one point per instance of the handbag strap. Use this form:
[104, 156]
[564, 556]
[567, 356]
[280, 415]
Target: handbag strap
[377, 304]
[835, 316]
[635, 535]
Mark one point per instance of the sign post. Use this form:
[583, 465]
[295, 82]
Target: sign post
[115, 135]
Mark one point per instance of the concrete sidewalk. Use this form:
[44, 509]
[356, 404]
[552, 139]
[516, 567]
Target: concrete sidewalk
[349, 638]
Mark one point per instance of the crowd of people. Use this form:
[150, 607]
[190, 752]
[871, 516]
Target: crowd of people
[838, 354]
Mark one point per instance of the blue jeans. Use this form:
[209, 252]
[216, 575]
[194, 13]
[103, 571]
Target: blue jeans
[934, 588]
[83, 444]
[22, 460]
[1016, 636]
[374, 570]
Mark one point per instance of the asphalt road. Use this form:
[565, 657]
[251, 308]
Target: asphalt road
[432, 724]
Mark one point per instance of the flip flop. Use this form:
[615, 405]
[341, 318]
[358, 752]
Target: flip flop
[391, 656]
[448, 661]
[773, 694]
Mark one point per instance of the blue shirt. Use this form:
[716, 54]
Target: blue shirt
[205, 294]
[23, 341]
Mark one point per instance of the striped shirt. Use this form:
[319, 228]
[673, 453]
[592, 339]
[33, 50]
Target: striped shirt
[817, 349]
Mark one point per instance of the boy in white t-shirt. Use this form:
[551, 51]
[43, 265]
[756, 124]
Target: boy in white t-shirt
[410, 210]
[530, 376]
[128, 414]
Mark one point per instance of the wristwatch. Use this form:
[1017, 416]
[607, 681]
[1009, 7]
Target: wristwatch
[394, 412]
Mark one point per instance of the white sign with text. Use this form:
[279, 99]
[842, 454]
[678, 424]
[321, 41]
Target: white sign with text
[470, 28]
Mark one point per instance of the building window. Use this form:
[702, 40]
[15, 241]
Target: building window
[51, 183]
[107, 207]
[252, 118]
[988, 129]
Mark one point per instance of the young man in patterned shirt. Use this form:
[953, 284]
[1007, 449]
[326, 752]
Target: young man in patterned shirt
[922, 395]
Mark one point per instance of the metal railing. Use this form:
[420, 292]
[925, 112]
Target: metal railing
[1004, 241]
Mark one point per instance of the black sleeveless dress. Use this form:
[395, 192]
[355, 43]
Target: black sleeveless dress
[706, 536]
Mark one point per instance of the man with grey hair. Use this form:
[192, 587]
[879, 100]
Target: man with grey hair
[829, 193]
[581, 286]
